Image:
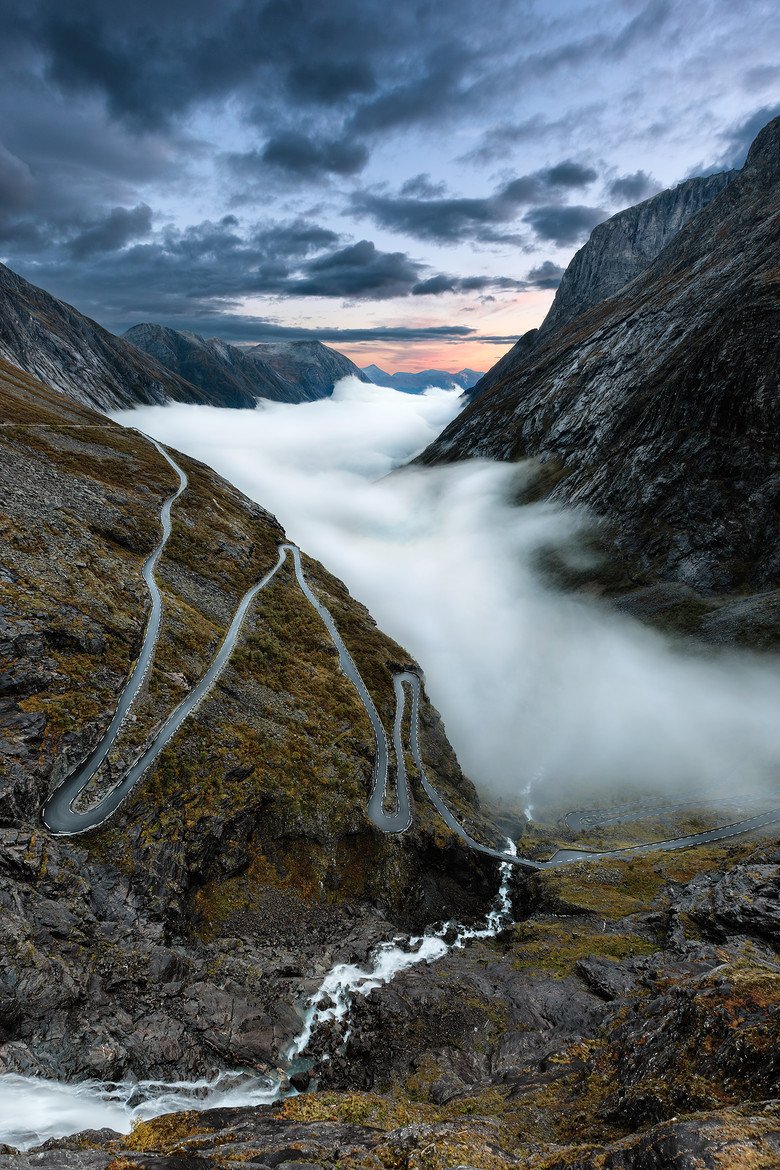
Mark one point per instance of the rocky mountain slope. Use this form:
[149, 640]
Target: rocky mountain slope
[53, 341]
[513, 360]
[413, 383]
[175, 940]
[626, 244]
[658, 407]
[228, 375]
[616, 251]
[310, 366]
[629, 1018]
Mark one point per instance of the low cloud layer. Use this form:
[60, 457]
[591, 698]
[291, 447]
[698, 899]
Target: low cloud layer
[536, 689]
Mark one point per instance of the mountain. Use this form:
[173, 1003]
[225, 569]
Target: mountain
[224, 373]
[415, 383]
[622, 1020]
[511, 361]
[616, 252]
[121, 951]
[625, 245]
[658, 407]
[310, 367]
[230, 375]
[53, 341]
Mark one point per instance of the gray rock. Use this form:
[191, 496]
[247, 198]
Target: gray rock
[53, 341]
[744, 901]
[625, 245]
[606, 977]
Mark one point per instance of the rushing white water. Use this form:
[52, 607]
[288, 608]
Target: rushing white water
[333, 998]
[32, 1109]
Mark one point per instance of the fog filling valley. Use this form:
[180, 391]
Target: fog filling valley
[548, 699]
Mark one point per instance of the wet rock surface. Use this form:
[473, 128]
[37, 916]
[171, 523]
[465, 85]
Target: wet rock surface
[629, 1021]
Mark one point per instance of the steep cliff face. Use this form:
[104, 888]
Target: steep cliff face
[53, 341]
[625, 245]
[511, 362]
[246, 848]
[616, 251]
[297, 371]
[658, 408]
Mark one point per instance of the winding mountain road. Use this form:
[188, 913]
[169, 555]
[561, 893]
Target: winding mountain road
[390, 814]
[57, 814]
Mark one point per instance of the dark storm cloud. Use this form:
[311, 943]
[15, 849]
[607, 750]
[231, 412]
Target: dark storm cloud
[112, 232]
[451, 219]
[243, 328]
[209, 267]
[642, 30]
[297, 238]
[306, 157]
[564, 226]
[152, 62]
[567, 175]
[496, 141]
[330, 82]
[16, 182]
[359, 270]
[296, 158]
[422, 187]
[435, 285]
[107, 102]
[629, 189]
[545, 275]
[448, 220]
[439, 88]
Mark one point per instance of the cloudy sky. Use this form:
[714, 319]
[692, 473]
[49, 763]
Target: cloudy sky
[402, 179]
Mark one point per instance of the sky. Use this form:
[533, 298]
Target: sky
[404, 181]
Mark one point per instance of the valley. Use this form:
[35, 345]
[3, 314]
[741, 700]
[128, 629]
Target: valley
[389, 761]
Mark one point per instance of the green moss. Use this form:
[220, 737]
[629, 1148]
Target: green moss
[555, 947]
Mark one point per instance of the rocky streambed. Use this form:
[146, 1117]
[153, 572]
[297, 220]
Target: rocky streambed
[629, 1019]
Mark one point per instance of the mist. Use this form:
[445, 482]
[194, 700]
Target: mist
[547, 699]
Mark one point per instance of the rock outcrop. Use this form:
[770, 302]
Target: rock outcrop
[616, 251]
[512, 362]
[52, 341]
[658, 408]
[309, 367]
[229, 375]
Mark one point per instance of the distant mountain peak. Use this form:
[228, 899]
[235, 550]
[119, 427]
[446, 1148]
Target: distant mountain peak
[232, 375]
[415, 383]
